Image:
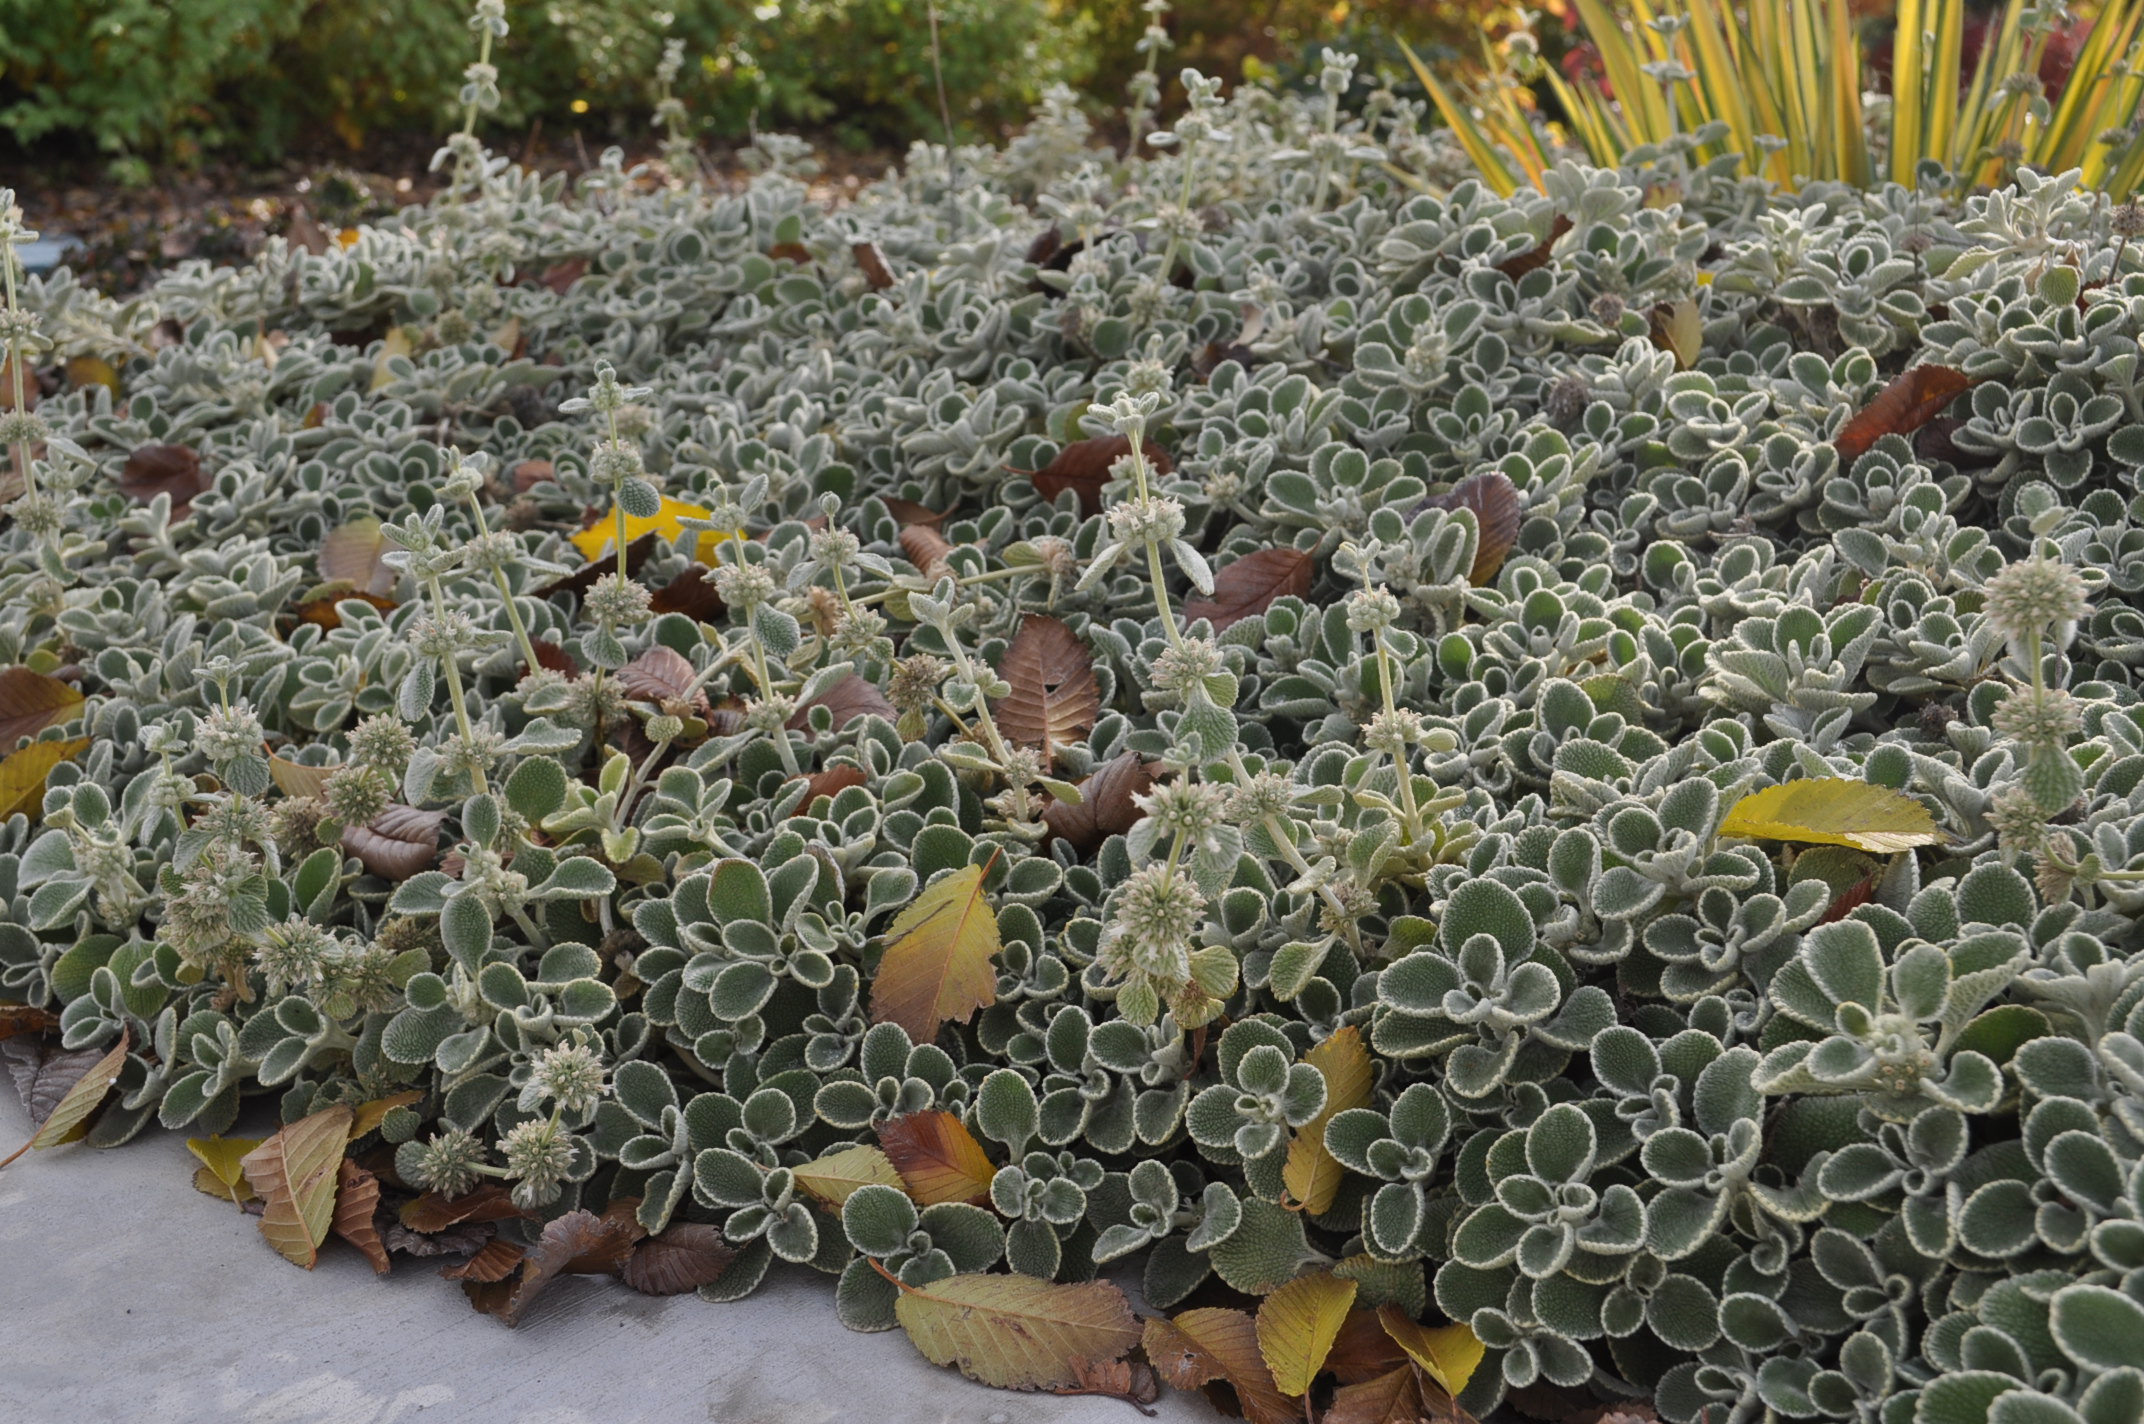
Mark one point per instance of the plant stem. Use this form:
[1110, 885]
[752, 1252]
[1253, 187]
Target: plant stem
[506, 593]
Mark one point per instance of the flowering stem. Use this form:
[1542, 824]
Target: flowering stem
[1400, 759]
[506, 592]
[452, 664]
[21, 450]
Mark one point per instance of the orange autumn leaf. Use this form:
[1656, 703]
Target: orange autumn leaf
[1900, 408]
[938, 1158]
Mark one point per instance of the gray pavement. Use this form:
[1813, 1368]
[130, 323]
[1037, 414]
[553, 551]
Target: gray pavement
[127, 1296]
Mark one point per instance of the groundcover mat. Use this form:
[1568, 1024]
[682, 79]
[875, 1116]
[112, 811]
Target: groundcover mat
[1493, 801]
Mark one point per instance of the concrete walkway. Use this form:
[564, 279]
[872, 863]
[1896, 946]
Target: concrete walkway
[127, 1297]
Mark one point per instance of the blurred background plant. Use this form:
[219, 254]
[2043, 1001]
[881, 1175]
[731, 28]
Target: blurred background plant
[1806, 89]
[1813, 90]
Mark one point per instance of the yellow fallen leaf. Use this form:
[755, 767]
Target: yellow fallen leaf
[372, 1114]
[1834, 810]
[1297, 1325]
[600, 539]
[23, 773]
[395, 343]
[937, 962]
[1448, 1354]
[1311, 1173]
[835, 1177]
[1017, 1332]
[92, 371]
[219, 1173]
[295, 1173]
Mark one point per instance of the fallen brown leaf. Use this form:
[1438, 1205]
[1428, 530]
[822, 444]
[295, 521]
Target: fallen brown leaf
[1083, 467]
[830, 782]
[684, 1257]
[923, 546]
[30, 702]
[21, 1018]
[1537, 255]
[1252, 584]
[357, 1199]
[495, 1262]
[397, 843]
[847, 699]
[578, 1243]
[873, 263]
[164, 469]
[433, 1213]
[657, 675]
[1900, 408]
[1495, 502]
[1105, 806]
[690, 594]
[1054, 698]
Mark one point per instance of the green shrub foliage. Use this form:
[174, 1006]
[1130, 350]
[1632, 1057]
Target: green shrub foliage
[1763, 1130]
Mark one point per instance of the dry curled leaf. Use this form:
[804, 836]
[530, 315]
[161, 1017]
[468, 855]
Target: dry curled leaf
[1017, 1332]
[494, 1261]
[1389, 1398]
[222, 1171]
[1537, 255]
[164, 469]
[1054, 699]
[397, 843]
[357, 1200]
[1105, 807]
[22, 1018]
[1083, 467]
[561, 275]
[637, 552]
[1495, 502]
[1363, 1350]
[43, 1072]
[1251, 584]
[938, 1159]
[1900, 408]
[369, 1115]
[32, 701]
[464, 1240]
[923, 546]
[1678, 328]
[848, 699]
[1202, 1346]
[434, 1213]
[872, 262]
[578, 1243]
[1132, 1381]
[1447, 1354]
[684, 1257]
[551, 656]
[907, 512]
[296, 1174]
[69, 1117]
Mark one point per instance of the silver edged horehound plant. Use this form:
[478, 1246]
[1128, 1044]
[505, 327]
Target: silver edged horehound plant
[1529, 799]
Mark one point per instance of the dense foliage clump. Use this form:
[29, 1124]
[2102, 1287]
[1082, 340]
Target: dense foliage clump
[1564, 766]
